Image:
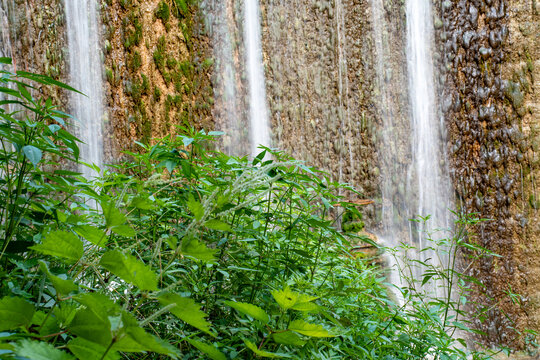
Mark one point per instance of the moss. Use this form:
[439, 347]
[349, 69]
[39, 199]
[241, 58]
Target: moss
[159, 54]
[180, 9]
[109, 74]
[157, 93]
[145, 86]
[163, 12]
[134, 36]
[136, 61]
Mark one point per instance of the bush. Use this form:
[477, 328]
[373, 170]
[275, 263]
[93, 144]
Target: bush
[185, 250]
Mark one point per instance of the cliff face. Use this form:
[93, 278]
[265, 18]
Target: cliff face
[157, 63]
[157, 70]
[491, 106]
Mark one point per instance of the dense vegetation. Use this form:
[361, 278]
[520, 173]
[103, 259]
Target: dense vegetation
[185, 252]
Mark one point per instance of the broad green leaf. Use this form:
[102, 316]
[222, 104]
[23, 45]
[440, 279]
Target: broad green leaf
[186, 310]
[87, 350]
[92, 234]
[91, 327]
[124, 230]
[305, 306]
[135, 339]
[36, 350]
[217, 225]
[249, 309]
[45, 323]
[285, 298]
[32, 153]
[262, 353]
[288, 338]
[195, 207]
[61, 244]
[193, 248]
[5, 60]
[142, 202]
[208, 349]
[313, 330]
[65, 313]
[99, 303]
[62, 286]
[15, 312]
[113, 216]
[129, 269]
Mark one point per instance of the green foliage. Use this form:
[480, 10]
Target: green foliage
[185, 250]
[163, 12]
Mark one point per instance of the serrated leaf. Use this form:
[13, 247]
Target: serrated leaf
[92, 234]
[288, 338]
[61, 244]
[113, 216]
[313, 330]
[217, 225]
[193, 248]
[187, 310]
[123, 230]
[62, 286]
[39, 351]
[135, 339]
[15, 312]
[130, 269]
[249, 309]
[91, 327]
[195, 207]
[262, 353]
[208, 349]
[142, 202]
[87, 350]
[305, 306]
[285, 298]
[32, 153]
[65, 313]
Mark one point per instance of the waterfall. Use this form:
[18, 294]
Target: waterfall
[228, 110]
[415, 180]
[85, 68]
[429, 173]
[258, 111]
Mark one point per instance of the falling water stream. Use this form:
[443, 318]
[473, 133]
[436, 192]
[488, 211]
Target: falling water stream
[85, 68]
[421, 170]
[258, 111]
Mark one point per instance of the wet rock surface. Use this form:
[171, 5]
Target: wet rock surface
[488, 102]
[319, 61]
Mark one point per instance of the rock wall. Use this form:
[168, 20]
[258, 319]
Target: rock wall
[489, 103]
[157, 63]
[319, 61]
[158, 69]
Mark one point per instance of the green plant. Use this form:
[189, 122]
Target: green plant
[184, 250]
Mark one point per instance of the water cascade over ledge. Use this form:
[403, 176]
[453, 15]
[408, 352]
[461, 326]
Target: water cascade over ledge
[85, 70]
[258, 111]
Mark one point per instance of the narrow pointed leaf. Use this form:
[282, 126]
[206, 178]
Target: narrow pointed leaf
[138, 340]
[262, 353]
[32, 153]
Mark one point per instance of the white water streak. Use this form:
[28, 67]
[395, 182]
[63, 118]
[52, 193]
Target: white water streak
[85, 65]
[258, 110]
[428, 176]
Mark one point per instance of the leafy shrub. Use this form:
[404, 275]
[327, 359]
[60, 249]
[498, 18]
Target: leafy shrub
[183, 251]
